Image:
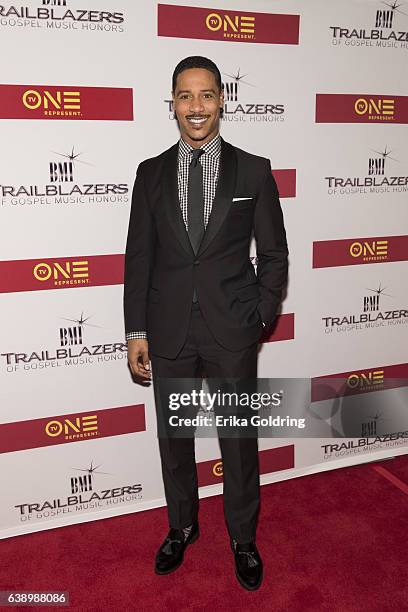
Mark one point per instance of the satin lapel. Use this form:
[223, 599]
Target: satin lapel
[223, 195]
[171, 201]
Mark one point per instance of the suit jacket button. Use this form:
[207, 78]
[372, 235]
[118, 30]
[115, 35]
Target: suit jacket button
[196, 262]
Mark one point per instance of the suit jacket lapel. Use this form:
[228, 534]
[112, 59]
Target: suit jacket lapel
[223, 195]
[170, 197]
[222, 200]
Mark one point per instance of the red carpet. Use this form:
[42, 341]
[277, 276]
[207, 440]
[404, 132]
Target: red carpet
[335, 542]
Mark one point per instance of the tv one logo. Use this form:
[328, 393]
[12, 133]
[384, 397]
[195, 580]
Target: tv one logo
[370, 107]
[376, 249]
[80, 426]
[231, 27]
[217, 469]
[60, 273]
[364, 380]
[213, 23]
[51, 103]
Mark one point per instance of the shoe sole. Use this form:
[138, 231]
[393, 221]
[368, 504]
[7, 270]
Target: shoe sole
[159, 573]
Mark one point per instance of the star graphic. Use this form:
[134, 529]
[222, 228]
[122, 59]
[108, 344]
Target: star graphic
[81, 321]
[394, 7]
[385, 154]
[91, 469]
[238, 77]
[73, 157]
[376, 417]
[379, 291]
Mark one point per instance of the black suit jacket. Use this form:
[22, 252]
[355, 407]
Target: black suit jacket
[161, 267]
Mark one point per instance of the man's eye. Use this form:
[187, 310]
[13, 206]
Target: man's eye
[208, 95]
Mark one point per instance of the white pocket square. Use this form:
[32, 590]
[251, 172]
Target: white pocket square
[240, 199]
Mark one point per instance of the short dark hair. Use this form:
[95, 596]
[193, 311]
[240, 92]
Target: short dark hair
[197, 61]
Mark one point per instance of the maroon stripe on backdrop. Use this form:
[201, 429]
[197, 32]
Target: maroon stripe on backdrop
[61, 272]
[361, 108]
[67, 102]
[74, 427]
[270, 460]
[356, 251]
[227, 25]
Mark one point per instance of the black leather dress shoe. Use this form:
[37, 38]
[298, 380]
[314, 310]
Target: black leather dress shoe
[171, 553]
[248, 565]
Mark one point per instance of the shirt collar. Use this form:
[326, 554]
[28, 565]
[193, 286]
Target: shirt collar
[212, 148]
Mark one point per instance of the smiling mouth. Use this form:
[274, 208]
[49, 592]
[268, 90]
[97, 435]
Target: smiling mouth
[197, 120]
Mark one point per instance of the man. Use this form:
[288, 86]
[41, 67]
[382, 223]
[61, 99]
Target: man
[192, 299]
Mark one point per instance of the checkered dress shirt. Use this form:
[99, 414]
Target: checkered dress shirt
[210, 161]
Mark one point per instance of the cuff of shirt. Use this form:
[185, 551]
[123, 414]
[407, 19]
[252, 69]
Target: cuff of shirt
[136, 335]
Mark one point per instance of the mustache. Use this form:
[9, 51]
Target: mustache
[197, 116]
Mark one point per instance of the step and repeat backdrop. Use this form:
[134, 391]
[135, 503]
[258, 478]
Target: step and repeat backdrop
[319, 88]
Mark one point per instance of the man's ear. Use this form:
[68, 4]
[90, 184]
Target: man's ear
[173, 100]
[221, 102]
[222, 97]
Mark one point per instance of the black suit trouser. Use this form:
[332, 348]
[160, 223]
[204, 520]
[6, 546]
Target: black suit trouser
[239, 455]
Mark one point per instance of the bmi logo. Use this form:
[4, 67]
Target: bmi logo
[376, 165]
[63, 171]
[231, 91]
[369, 428]
[73, 335]
[384, 18]
[371, 302]
[79, 484]
[83, 484]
